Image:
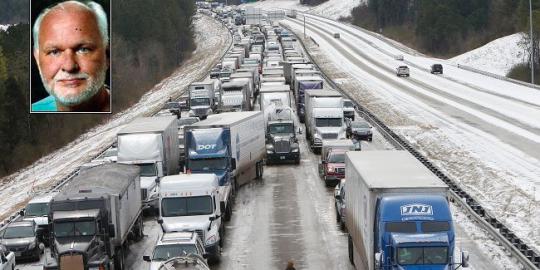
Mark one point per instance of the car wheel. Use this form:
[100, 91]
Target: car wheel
[341, 224]
[350, 247]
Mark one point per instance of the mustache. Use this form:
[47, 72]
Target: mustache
[70, 76]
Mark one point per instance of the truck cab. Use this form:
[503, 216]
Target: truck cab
[281, 142]
[37, 210]
[414, 232]
[201, 99]
[233, 96]
[327, 124]
[191, 202]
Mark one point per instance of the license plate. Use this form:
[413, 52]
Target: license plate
[282, 157]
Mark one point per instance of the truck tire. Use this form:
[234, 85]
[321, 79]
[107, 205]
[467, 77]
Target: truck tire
[350, 246]
[119, 259]
[139, 230]
[297, 161]
[260, 170]
[228, 213]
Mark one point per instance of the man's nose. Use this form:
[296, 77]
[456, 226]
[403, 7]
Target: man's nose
[69, 63]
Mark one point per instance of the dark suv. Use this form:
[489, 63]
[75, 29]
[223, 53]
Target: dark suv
[21, 238]
[436, 68]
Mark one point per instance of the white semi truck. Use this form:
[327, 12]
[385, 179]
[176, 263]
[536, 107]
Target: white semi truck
[202, 98]
[152, 144]
[324, 117]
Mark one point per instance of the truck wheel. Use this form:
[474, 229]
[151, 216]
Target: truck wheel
[228, 213]
[341, 224]
[350, 246]
[119, 259]
[217, 257]
[139, 230]
[297, 161]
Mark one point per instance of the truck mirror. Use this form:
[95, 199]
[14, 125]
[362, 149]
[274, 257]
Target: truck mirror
[21, 212]
[112, 232]
[205, 255]
[146, 258]
[160, 221]
[299, 130]
[157, 180]
[378, 259]
[337, 196]
[211, 218]
[233, 164]
[464, 259]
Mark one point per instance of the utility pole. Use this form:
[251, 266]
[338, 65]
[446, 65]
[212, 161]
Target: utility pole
[532, 42]
[304, 26]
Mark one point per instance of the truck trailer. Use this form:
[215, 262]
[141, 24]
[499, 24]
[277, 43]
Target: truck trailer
[231, 145]
[152, 144]
[92, 218]
[398, 215]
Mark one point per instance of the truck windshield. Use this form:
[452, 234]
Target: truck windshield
[422, 255]
[186, 206]
[165, 252]
[148, 169]
[199, 101]
[348, 104]
[328, 122]
[18, 232]
[232, 89]
[337, 158]
[280, 128]
[208, 164]
[36, 209]
[75, 228]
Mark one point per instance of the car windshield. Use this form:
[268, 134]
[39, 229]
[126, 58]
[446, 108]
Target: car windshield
[148, 169]
[401, 227]
[336, 158]
[348, 104]
[186, 206]
[18, 232]
[165, 252]
[328, 122]
[281, 128]
[76, 228]
[208, 164]
[359, 125]
[422, 255]
[172, 105]
[200, 101]
[232, 89]
[37, 209]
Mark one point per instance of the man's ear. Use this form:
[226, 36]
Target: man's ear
[36, 55]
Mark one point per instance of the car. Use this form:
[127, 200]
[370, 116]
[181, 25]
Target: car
[7, 259]
[333, 166]
[174, 245]
[337, 35]
[339, 202]
[348, 109]
[21, 238]
[398, 57]
[359, 130]
[402, 71]
[436, 68]
[214, 73]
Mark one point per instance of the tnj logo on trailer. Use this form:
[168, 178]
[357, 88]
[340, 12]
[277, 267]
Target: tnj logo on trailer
[416, 209]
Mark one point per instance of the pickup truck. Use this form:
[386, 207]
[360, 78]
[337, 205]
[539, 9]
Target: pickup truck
[334, 166]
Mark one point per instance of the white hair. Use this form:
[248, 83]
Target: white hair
[95, 8]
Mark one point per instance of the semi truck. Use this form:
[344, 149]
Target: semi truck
[195, 203]
[324, 117]
[231, 145]
[301, 86]
[93, 217]
[152, 144]
[234, 97]
[398, 215]
[281, 141]
[202, 98]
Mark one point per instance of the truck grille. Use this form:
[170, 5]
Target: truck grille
[282, 146]
[327, 136]
[144, 194]
[200, 111]
[340, 170]
[71, 262]
[200, 233]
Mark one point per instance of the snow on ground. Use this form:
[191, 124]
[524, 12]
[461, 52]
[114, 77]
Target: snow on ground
[3, 27]
[16, 189]
[333, 9]
[498, 56]
[501, 177]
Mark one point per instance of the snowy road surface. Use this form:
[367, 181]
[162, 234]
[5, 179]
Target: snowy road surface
[481, 131]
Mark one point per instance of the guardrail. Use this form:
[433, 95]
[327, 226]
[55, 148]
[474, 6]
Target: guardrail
[526, 255]
[489, 74]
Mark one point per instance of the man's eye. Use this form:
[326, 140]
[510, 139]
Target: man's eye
[84, 50]
[53, 52]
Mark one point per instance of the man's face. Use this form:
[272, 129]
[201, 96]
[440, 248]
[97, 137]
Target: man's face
[71, 58]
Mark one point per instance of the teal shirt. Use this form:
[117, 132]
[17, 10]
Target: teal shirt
[47, 104]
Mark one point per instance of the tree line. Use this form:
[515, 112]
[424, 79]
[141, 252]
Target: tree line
[444, 27]
[149, 41]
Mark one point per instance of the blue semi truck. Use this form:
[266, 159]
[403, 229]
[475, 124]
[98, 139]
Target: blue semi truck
[398, 216]
[230, 145]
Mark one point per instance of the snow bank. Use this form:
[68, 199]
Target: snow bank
[4, 27]
[333, 9]
[498, 56]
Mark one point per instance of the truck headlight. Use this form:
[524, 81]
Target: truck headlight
[330, 169]
[295, 150]
[191, 113]
[211, 240]
[32, 245]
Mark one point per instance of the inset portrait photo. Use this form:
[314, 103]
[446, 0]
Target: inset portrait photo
[70, 57]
